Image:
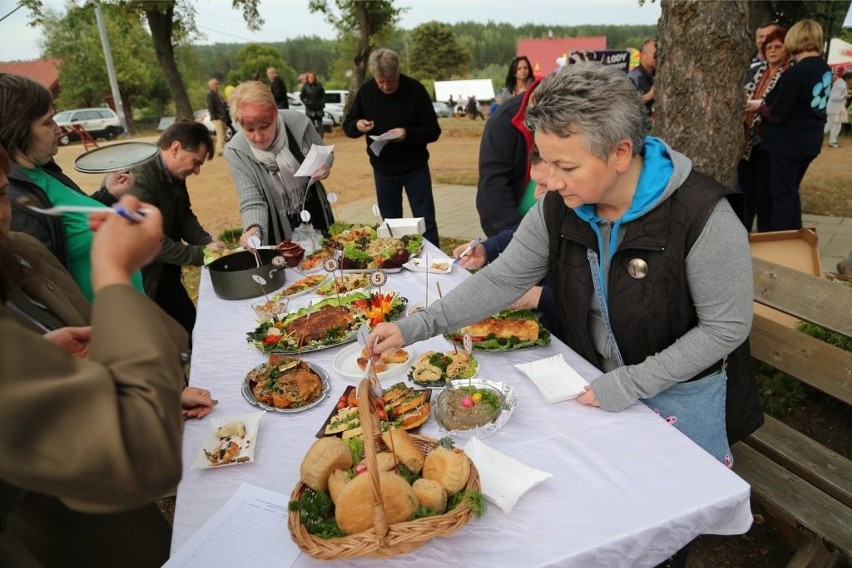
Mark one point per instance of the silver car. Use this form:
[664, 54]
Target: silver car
[442, 110]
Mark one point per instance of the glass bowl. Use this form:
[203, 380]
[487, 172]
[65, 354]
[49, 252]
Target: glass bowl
[266, 309]
[480, 419]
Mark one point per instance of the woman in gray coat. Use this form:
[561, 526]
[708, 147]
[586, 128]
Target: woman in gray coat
[263, 157]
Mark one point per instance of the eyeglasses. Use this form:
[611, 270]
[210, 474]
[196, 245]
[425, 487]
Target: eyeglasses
[773, 47]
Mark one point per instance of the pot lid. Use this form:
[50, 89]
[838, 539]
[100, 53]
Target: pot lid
[115, 158]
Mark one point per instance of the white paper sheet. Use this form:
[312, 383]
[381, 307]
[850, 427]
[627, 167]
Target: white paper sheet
[250, 530]
[318, 156]
[380, 141]
[555, 378]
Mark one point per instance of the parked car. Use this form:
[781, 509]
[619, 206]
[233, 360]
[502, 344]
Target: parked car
[98, 122]
[203, 116]
[442, 110]
[328, 121]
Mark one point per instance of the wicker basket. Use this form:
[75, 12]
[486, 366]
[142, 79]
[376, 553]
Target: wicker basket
[382, 540]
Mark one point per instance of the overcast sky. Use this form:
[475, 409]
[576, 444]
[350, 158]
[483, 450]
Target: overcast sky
[287, 19]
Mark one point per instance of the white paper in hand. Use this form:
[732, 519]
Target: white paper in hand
[317, 157]
[503, 480]
[380, 141]
[555, 378]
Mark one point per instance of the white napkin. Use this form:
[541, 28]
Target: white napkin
[503, 479]
[555, 378]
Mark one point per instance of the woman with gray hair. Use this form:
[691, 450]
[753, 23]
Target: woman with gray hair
[263, 157]
[650, 266]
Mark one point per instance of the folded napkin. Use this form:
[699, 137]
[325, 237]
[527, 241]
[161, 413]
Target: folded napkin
[555, 378]
[503, 479]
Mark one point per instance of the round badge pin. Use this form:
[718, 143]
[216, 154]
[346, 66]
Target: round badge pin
[637, 268]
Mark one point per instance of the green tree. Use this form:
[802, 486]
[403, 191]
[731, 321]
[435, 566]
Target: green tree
[255, 58]
[75, 40]
[435, 54]
[171, 22]
[362, 19]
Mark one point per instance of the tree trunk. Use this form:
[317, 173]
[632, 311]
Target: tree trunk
[160, 24]
[703, 51]
[362, 55]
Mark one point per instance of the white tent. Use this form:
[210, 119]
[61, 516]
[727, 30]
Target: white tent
[482, 89]
[839, 52]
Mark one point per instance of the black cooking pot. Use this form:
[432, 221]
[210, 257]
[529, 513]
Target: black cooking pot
[232, 275]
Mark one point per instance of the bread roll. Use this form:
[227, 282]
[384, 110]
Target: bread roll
[450, 468]
[354, 506]
[336, 482]
[404, 448]
[323, 457]
[431, 495]
[236, 429]
[385, 461]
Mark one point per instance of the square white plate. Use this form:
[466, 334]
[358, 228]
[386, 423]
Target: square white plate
[247, 444]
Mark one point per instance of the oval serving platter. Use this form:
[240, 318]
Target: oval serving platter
[250, 398]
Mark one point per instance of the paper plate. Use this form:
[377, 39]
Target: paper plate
[115, 158]
[247, 443]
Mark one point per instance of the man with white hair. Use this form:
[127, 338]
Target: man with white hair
[278, 88]
[398, 107]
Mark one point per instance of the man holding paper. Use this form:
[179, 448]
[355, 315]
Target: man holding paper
[397, 114]
[265, 160]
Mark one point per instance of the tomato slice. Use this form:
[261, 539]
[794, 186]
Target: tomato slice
[270, 339]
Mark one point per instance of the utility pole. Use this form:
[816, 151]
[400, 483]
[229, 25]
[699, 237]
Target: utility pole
[113, 82]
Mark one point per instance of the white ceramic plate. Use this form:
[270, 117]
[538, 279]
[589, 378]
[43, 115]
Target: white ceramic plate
[306, 290]
[419, 265]
[247, 444]
[346, 363]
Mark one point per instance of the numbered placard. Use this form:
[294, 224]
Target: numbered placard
[278, 261]
[376, 211]
[468, 343]
[253, 241]
[332, 197]
[330, 264]
[259, 279]
[378, 278]
[305, 215]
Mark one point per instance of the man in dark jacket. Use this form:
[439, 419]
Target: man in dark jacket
[505, 191]
[398, 107]
[218, 112]
[278, 88]
[184, 146]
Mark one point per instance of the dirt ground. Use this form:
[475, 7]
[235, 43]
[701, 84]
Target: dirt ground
[214, 198]
[454, 160]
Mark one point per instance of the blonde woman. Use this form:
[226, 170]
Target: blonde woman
[794, 113]
[263, 157]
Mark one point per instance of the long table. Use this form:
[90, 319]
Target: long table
[627, 489]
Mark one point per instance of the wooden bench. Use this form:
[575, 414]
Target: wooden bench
[803, 484]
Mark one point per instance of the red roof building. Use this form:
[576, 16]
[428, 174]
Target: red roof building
[542, 53]
[42, 71]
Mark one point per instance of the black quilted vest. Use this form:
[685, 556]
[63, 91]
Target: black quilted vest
[647, 314]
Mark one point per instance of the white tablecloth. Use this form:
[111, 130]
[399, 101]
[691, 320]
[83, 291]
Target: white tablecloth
[627, 488]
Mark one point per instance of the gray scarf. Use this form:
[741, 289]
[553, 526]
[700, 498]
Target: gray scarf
[280, 164]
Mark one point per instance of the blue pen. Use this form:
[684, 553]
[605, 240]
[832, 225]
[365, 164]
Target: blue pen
[469, 248]
[132, 216]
